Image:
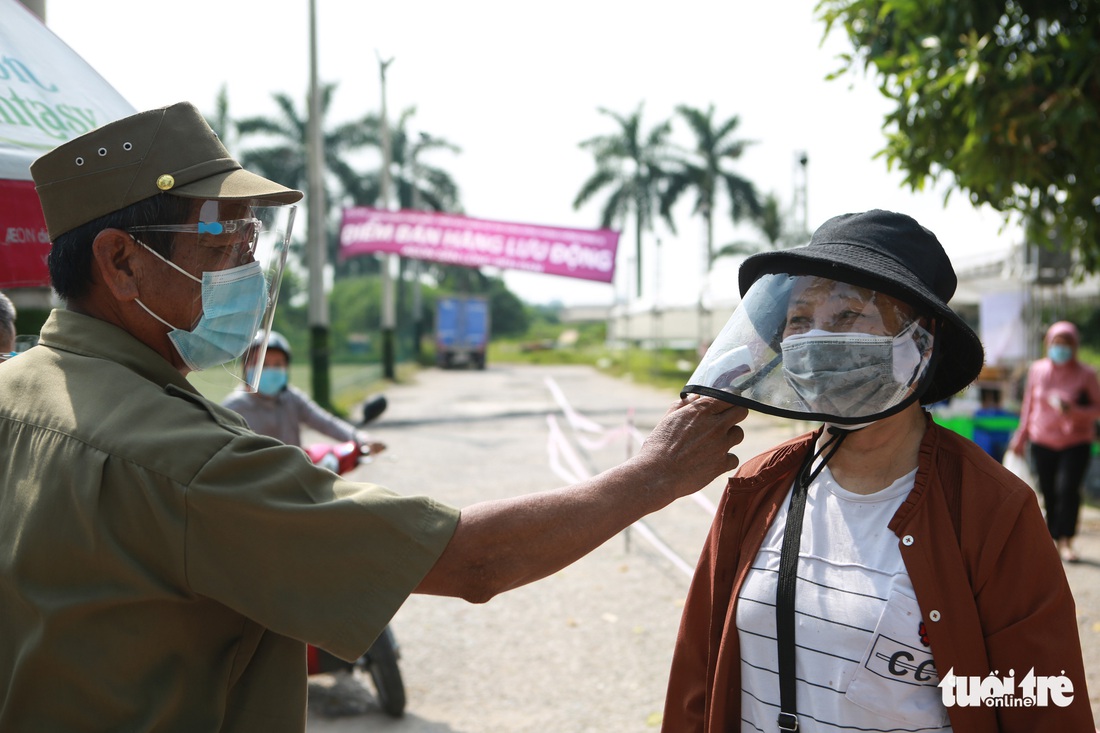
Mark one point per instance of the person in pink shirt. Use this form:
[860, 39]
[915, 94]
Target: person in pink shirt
[1060, 407]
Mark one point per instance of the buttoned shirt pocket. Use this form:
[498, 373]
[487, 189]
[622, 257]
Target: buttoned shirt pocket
[896, 678]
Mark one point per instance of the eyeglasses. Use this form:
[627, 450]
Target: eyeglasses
[237, 235]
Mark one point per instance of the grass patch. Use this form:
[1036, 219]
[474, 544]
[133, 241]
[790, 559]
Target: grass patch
[351, 383]
[666, 369]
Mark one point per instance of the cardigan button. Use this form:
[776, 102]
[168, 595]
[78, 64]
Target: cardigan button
[934, 615]
[907, 540]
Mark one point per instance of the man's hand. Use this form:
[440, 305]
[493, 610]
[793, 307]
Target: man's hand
[691, 444]
[1017, 444]
[505, 543]
[368, 446]
[372, 447]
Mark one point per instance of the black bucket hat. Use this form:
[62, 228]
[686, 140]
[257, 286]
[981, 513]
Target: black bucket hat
[893, 254]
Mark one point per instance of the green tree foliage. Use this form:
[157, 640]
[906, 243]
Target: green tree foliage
[510, 317]
[1003, 96]
[220, 121]
[703, 170]
[282, 153]
[631, 164]
[355, 305]
[279, 151]
[355, 309]
[418, 184]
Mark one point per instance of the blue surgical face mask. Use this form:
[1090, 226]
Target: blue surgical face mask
[1060, 353]
[273, 380]
[233, 304]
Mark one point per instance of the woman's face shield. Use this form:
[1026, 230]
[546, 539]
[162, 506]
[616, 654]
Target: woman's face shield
[807, 347]
[230, 241]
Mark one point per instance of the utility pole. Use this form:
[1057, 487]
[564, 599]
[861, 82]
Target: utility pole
[418, 205]
[801, 205]
[389, 315]
[318, 303]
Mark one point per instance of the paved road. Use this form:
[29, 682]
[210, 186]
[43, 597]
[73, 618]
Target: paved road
[589, 648]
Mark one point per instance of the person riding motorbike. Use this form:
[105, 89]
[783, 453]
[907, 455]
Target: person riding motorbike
[279, 409]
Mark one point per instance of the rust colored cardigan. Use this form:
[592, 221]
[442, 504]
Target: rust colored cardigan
[977, 551]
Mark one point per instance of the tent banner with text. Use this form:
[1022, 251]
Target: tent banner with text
[450, 239]
[48, 95]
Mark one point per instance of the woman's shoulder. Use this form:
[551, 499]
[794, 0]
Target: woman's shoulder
[962, 465]
[775, 460]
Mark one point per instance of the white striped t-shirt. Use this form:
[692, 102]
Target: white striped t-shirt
[862, 662]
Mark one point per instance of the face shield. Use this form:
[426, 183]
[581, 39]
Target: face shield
[236, 252]
[806, 347]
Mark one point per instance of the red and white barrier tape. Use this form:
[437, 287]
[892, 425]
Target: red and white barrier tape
[567, 466]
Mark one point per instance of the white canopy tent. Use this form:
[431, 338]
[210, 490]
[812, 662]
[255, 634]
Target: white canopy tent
[48, 94]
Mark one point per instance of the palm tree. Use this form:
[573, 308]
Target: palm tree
[284, 159]
[282, 155]
[773, 224]
[220, 121]
[418, 184]
[703, 170]
[632, 166]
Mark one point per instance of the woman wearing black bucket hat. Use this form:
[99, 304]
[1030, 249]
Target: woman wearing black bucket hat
[866, 576]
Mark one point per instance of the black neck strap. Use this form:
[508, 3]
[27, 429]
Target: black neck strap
[788, 576]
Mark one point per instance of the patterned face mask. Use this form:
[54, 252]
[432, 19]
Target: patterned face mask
[850, 374]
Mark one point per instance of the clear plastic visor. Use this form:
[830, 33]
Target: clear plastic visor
[808, 347]
[228, 240]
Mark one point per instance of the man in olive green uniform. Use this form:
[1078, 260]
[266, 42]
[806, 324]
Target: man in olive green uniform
[161, 566]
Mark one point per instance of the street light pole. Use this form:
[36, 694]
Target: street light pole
[318, 304]
[418, 205]
[389, 315]
[801, 202]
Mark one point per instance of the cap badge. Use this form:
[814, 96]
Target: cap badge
[165, 182]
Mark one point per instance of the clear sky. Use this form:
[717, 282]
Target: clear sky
[517, 86]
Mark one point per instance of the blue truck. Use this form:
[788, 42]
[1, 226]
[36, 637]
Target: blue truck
[461, 331]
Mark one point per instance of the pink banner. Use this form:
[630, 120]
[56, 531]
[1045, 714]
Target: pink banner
[588, 254]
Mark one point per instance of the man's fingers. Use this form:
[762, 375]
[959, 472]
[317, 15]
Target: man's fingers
[719, 407]
[709, 404]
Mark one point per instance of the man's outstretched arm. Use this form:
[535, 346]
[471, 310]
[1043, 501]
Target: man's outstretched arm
[503, 544]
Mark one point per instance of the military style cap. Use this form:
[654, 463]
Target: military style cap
[168, 150]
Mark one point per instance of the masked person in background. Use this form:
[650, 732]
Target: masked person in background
[279, 409]
[1058, 418]
[7, 328]
[854, 575]
[162, 567]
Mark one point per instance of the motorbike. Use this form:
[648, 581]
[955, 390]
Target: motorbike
[380, 661]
